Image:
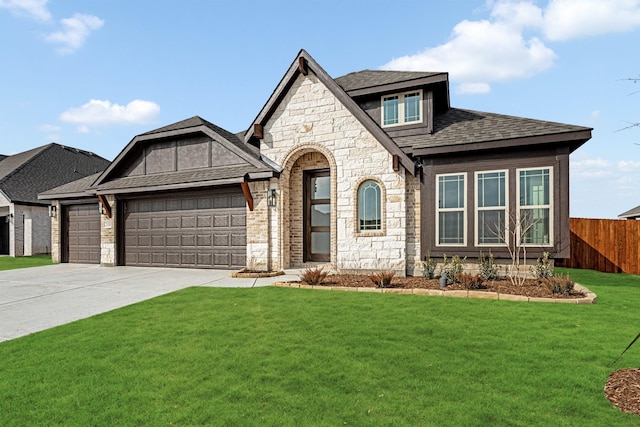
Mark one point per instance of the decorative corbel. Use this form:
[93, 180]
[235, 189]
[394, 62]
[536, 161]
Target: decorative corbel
[105, 205]
[247, 194]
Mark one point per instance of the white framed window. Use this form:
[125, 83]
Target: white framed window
[369, 206]
[491, 207]
[451, 221]
[402, 108]
[535, 207]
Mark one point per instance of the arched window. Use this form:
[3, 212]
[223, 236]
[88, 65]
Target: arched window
[369, 206]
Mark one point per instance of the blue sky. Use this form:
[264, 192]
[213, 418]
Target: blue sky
[93, 74]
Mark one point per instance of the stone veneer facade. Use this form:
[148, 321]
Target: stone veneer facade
[108, 234]
[312, 129]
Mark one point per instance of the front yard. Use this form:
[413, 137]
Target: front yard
[275, 356]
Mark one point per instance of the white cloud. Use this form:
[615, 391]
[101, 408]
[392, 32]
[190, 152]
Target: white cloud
[35, 9]
[481, 52]
[471, 88]
[602, 188]
[510, 44]
[97, 112]
[75, 31]
[569, 19]
[52, 133]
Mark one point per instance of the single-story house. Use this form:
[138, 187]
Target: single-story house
[631, 213]
[25, 227]
[371, 170]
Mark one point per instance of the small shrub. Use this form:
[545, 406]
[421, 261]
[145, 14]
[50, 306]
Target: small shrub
[543, 268]
[429, 268]
[382, 279]
[313, 276]
[470, 281]
[488, 268]
[560, 285]
[451, 268]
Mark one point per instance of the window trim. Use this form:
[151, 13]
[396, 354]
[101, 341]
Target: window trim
[359, 224]
[382, 230]
[401, 109]
[463, 209]
[550, 206]
[477, 209]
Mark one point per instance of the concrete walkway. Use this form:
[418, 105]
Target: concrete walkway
[34, 299]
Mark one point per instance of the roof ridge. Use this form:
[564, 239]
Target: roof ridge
[40, 149]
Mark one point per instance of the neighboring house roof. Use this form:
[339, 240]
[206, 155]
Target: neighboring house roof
[457, 130]
[2, 157]
[631, 213]
[24, 175]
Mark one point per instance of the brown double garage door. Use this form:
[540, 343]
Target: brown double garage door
[197, 230]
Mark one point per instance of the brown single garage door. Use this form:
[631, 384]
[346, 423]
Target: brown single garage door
[202, 230]
[83, 233]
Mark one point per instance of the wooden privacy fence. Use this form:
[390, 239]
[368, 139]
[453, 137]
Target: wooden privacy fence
[608, 245]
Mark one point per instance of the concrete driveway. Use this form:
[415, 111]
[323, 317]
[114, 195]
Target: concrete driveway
[34, 299]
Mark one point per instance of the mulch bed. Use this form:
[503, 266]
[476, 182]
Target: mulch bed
[623, 390]
[531, 288]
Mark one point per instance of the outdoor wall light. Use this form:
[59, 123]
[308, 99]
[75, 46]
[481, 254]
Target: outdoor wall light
[8, 218]
[271, 197]
[52, 211]
[101, 208]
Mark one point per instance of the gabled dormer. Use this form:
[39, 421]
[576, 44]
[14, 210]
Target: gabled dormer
[403, 103]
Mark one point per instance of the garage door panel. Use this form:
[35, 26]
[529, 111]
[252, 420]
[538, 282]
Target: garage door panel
[173, 222]
[221, 240]
[204, 240]
[221, 220]
[238, 240]
[173, 240]
[203, 230]
[158, 240]
[204, 221]
[238, 220]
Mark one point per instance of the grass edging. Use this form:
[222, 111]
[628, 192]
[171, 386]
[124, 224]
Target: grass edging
[589, 298]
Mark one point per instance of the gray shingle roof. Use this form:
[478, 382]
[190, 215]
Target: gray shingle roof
[24, 175]
[77, 187]
[458, 127]
[196, 121]
[372, 78]
[194, 177]
[631, 213]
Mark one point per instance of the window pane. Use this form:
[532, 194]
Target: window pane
[537, 225]
[491, 226]
[534, 187]
[451, 192]
[320, 242]
[390, 110]
[412, 107]
[321, 215]
[451, 227]
[320, 187]
[369, 206]
[491, 189]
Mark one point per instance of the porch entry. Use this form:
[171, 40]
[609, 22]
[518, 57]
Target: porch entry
[317, 215]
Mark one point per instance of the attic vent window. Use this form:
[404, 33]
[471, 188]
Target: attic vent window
[402, 108]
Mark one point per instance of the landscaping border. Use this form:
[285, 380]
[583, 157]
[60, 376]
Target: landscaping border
[589, 298]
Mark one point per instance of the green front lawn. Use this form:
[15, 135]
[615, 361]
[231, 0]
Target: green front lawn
[277, 356]
[10, 263]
